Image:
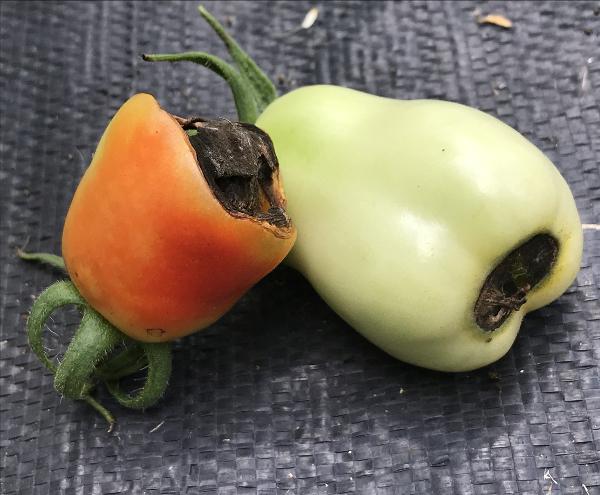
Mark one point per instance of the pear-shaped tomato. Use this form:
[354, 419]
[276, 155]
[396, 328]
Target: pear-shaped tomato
[432, 228]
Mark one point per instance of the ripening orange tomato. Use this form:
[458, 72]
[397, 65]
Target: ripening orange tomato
[174, 220]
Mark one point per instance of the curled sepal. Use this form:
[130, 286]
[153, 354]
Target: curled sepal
[57, 295]
[158, 363]
[94, 340]
[129, 361]
[45, 258]
[86, 359]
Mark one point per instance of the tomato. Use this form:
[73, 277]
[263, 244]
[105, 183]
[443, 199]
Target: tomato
[147, 242]
[173, 221]
[430, 227]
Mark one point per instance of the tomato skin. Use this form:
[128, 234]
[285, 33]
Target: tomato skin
[145, 240]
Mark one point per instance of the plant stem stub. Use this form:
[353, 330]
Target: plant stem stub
[506, 287]
[240, 166]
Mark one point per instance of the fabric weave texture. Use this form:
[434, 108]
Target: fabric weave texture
[281, 396]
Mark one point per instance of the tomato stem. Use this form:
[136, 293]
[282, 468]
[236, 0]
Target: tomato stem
[244, 99]
[252, 89]
[258, 81]
[105, 413]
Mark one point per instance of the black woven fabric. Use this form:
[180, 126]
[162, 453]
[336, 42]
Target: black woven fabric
[281, 396]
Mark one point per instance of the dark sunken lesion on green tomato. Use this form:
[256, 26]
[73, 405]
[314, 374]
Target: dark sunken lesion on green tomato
[239, 163]
[506, 287]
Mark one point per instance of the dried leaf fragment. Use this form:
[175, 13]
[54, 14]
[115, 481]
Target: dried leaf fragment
[497, 20]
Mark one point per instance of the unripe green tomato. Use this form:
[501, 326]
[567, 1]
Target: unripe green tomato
[404, 209]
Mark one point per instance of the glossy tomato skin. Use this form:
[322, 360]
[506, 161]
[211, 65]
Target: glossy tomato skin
[145, 240]
[404, 208]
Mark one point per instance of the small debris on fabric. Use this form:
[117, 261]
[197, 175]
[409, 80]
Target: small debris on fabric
[281, 79]
[548, 476]
[498, 86]
[310, 18]
[584, 78]
[496, 20]
[157, 427]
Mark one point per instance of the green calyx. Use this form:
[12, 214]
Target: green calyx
[252, 90]
[88, 359]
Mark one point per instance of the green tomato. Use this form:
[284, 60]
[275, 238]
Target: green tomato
[430, 227]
